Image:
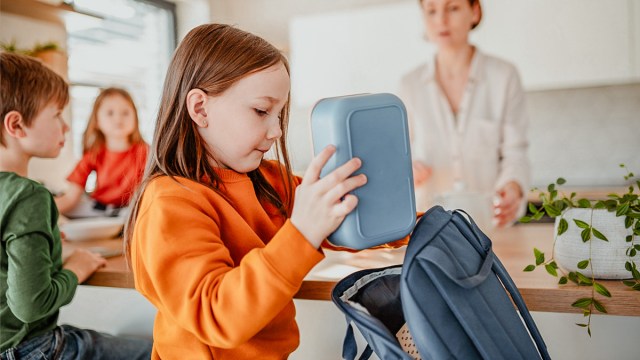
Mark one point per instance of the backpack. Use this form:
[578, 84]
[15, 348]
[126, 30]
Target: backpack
[446, 301]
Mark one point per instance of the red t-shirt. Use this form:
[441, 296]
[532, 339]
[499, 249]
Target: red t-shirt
[118, 173]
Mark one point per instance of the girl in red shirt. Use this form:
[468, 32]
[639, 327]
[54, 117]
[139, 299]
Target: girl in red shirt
[115, 150]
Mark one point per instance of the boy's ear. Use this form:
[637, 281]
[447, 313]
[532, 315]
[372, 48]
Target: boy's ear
[196, 101]
[13, 124]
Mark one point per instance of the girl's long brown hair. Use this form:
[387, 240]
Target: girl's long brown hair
[212, 58]
[93, 138]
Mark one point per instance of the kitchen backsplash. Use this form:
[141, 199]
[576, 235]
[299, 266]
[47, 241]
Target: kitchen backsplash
[584, 134]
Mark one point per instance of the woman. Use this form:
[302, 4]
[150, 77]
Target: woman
[467, 116]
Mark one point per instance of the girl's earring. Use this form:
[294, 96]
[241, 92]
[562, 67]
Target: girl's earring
[204, 123]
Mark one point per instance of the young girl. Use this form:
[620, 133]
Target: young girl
[217, 242]
[115, 150]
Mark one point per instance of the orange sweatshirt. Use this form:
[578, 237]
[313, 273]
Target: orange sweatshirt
[222, 273]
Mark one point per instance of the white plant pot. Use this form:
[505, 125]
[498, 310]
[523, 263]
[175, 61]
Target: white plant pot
[607, 257]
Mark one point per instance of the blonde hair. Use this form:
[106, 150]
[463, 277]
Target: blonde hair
[93, 138]
[212, 58]
[27, 86]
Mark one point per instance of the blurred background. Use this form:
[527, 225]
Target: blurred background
[579, 61]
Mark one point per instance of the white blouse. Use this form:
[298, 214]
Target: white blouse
[485, 146]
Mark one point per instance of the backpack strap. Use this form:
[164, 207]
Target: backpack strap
[483, 246]
[438, 257]
[350, 348]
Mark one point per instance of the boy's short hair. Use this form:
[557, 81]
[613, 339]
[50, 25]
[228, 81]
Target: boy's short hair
[27, 86]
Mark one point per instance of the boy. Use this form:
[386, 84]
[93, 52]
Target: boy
[34, 283]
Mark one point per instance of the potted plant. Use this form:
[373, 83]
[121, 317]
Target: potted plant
[592, 240]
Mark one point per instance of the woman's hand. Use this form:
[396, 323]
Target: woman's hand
[507, 208]
[322, 204]
[421, 172]
[83, 263]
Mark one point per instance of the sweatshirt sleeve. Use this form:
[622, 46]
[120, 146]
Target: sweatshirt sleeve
[37, 284]
[81, 172]
[183, 266]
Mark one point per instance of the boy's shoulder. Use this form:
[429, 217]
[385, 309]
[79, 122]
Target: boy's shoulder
[13, 184]
[19, 192]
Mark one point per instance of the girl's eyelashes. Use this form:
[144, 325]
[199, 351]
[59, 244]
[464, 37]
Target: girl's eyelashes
[261, 112]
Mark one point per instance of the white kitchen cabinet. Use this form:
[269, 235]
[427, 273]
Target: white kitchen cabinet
[554, 43]
[568, 43]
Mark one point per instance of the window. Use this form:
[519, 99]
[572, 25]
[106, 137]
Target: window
[122, 43]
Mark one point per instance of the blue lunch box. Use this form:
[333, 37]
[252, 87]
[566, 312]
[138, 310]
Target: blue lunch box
[374, 128]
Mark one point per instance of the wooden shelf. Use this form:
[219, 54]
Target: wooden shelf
[37, 10]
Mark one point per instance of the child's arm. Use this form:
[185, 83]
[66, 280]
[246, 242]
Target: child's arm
[183, 264]
[37, 286]
[70, 198]
[83, 263]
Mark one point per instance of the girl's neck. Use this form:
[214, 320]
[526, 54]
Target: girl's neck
[117, 145]
[11, 161]
[454, 62]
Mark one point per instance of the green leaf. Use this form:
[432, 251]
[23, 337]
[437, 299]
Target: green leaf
[601, 289]
[628, 221]
[561, 181]
[599, 205]
[532, 208]
[622, 209]
[563, 280]
[586, 235]
[583, 279]
[525, 219]
[551, 269]
[582, 303]
[629, 283]
[636, 287]
[584, 203]
[598, 305]
[552, 210]
[629, 238]
[581, 325]
[583, 264]
[538, 215]
[551, 187]
[539, 256]
[581, 224]
[529, 268]
[599, 235]
[573, 277]
[563, 225]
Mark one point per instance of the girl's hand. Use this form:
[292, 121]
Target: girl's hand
[507, 208]
[322, 204]
[421, 172]
[83, 263]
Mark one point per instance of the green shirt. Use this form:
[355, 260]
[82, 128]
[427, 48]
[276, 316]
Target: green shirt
[33, 285]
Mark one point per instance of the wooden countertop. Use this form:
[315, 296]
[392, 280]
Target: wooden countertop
[514, 246]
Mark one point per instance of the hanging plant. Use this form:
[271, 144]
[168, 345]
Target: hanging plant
[584, 272]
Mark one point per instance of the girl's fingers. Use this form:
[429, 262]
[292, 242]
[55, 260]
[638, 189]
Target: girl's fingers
[317, 163]
[338, 191]
[346, 206]
[340, 174]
